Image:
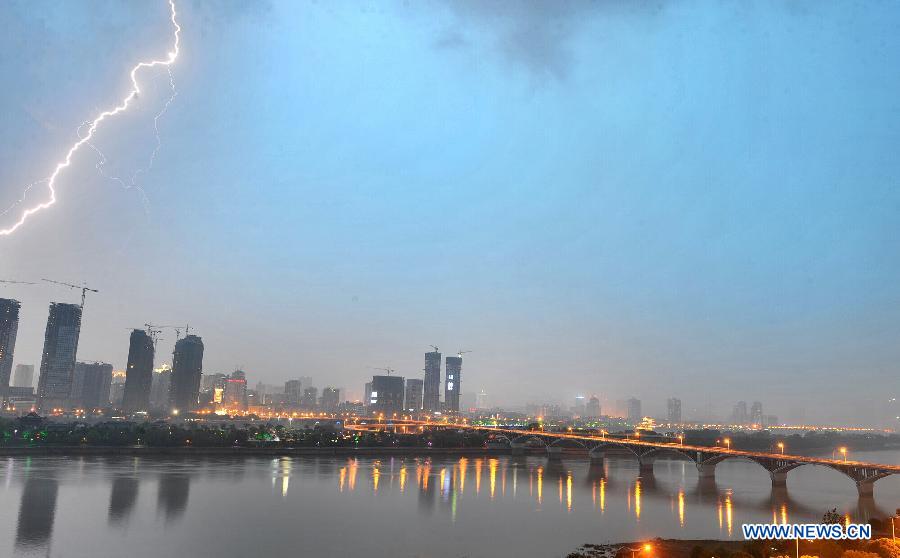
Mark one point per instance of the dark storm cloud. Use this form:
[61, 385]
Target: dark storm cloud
[535, 34]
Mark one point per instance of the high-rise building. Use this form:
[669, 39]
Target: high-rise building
[117, 388]
[756, 413]
[481, 400]
[58, 358]
[187, 368]
[24, 376]
[367, 391]
[413, 402]
[634, 410]
[90, 385]
[452, 385]
[331, 398]
[673, 405]
[310, 396]
[579, 407]
[431, 398]
[159, 389]
[138, 372]
[387, 395]
[739, 413]
[293, 389]
[235, 395]
[9, 326]
[592, 407]
[213, 387]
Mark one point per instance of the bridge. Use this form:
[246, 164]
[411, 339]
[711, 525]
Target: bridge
[705, 458]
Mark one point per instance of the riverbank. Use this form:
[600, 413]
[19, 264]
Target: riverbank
[668, 548]
[146, 451]
[881, 546]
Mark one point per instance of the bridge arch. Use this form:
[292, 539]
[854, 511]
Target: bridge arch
[561, 442]
[525, 438]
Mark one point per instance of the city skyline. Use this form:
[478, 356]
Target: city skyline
[142, 364]
[537, 188]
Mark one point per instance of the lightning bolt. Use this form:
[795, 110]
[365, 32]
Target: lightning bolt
[95, 123]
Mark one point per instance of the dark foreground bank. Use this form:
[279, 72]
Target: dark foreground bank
[883, 547]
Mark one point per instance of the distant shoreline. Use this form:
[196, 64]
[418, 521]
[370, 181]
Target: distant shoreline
[242, 451]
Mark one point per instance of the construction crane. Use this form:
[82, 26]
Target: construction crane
[461, 353]
[153, 333]
[388, 370]
[435, 348]
[186, 328]
[10, 282]
[84, 288]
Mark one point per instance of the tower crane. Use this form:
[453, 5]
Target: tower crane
[388, 370]
[186, 328]
[435, 348]
[461, 353]
[10, 282]
[84, 288]
[153, 333]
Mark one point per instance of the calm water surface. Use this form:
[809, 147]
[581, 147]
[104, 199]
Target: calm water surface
[426, 506]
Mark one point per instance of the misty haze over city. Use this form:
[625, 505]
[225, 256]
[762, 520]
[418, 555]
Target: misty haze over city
[648, 199]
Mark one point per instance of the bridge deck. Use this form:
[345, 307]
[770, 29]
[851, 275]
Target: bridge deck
[711, 450]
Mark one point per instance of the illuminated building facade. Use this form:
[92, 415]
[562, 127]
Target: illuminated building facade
[387, 395]
[187, 368]
[235, 395]
[413, 402]
[138, 372]
[452, 384]
[58, 357]
[431, 399]
[9, 326]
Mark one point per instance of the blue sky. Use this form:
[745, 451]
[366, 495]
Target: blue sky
[694, 199]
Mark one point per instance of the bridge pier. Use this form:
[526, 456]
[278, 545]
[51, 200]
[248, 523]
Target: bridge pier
[554, 452]
[779, 478]
[596, 456]
[517, 448]
[706, 470]
[865, 488]
[645, 467]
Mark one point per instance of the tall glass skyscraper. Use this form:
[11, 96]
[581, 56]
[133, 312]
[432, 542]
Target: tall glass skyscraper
[9, 326]
[58, 358]
[187, 368]
[139, 373]
[431, 401]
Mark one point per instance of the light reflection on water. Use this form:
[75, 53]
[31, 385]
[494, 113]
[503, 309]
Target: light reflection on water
[395, 506]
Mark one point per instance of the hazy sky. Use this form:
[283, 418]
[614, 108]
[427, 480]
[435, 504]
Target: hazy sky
[693, 199]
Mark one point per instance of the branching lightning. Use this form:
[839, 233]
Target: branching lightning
[91, 128]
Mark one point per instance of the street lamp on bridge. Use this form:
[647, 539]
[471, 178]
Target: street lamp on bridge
[645, 548]
[728, 443]
[781, 447]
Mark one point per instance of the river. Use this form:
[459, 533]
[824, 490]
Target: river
[229, 507]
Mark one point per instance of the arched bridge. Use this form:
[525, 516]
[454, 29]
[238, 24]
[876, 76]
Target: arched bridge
[863, 474]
